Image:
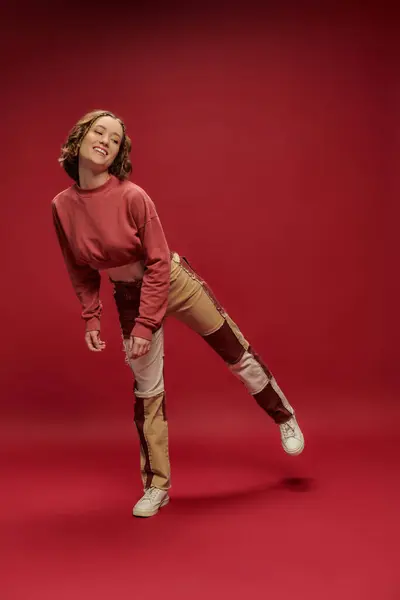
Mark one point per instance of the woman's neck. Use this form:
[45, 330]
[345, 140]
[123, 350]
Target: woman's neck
[89, 180]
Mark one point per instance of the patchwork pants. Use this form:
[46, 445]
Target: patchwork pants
[192, 302]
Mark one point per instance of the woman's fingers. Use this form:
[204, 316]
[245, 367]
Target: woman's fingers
[88, 340]
[93, 341]
[140, 347]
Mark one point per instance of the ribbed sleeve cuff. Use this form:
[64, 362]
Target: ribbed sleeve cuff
[142, 331]
[93, 324]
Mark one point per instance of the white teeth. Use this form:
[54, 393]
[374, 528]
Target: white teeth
[101, 151]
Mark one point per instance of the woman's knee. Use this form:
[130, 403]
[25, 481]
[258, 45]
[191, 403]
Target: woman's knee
[148, 389]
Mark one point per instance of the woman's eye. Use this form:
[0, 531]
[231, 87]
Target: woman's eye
[116, 142]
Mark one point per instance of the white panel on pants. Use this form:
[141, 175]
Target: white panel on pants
[250, 373]
[148, 370]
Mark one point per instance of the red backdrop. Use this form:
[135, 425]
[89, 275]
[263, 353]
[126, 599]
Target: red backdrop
[268, 146]
[268, 141]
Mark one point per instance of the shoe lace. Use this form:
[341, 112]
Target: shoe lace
[152, 493]
[288, 429]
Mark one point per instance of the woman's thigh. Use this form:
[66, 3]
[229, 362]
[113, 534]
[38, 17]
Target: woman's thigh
[148, 370]
[191, 301]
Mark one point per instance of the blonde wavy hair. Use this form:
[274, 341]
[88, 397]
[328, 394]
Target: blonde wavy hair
[69, 158]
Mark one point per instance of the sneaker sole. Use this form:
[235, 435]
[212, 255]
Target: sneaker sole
[145, 514]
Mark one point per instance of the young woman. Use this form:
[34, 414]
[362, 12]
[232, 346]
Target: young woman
[104, 222]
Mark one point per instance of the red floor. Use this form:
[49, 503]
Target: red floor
[245, 519]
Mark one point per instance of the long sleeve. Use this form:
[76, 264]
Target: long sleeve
[85, 280]
[156, 279]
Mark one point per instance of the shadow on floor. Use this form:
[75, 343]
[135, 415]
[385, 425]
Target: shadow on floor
[252, 495]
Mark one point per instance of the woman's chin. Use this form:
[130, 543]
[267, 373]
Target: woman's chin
[97, 165]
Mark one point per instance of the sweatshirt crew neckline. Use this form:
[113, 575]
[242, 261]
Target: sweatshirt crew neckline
[109, 184]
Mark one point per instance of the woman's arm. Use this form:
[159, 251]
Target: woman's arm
[157, 262]
[85, 280]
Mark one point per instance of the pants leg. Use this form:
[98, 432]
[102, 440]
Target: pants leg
[150, 414]
[150, 411]
[192, 302]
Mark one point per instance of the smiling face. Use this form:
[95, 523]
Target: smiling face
[101, 144]
[98, 143]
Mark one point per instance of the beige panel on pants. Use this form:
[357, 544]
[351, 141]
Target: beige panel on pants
[186, 292]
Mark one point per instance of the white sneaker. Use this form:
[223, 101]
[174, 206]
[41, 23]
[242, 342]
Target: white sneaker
[292, 437]
[150, 503]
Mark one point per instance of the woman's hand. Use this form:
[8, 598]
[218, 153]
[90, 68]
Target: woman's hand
[93, 341]
[138, 347]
